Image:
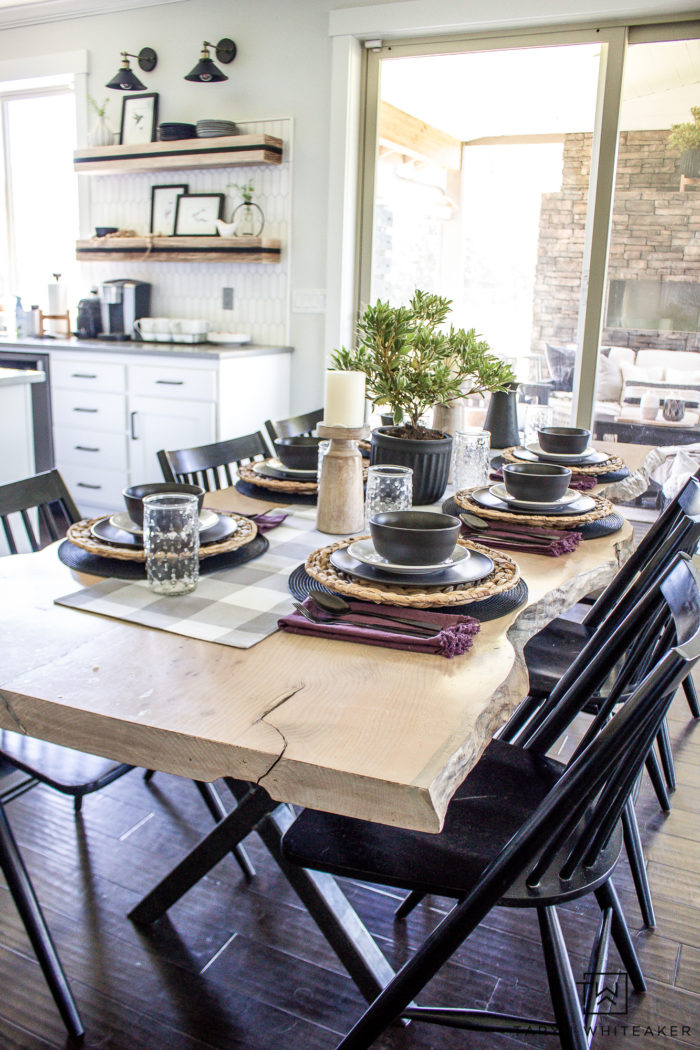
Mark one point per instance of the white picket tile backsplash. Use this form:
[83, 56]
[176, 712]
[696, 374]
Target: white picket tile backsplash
[193, 289]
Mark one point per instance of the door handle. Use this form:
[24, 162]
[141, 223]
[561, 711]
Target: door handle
[85, 410]
[83, 375]
[85, 448]
[132, 426]
[170, 382]
[84, 485]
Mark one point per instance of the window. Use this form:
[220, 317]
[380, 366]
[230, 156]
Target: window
[39, 221]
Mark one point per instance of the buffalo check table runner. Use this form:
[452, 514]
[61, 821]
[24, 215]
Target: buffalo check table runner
[237, 607]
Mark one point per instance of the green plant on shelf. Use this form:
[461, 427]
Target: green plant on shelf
[100, 110]
[686, 136]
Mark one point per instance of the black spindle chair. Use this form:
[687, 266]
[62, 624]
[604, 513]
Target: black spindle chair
[212, 466]
[295, 426]
[522, 831]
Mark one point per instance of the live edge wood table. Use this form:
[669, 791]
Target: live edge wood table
[375, 733]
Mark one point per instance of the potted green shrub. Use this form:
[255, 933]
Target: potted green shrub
[686, 138]
[412, 364]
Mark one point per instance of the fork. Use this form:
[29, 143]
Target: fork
[420, 632]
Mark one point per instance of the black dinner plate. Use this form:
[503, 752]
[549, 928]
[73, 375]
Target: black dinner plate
[485, 498]
[476, 567]
[103, 530]
[265, 470]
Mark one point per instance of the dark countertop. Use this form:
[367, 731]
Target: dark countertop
[200, 351]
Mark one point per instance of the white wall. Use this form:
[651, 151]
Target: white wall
[283, 68]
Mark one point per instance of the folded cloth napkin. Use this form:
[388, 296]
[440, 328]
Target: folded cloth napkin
[269, 519]
[580, 482]
[528, 539]
[453, 637]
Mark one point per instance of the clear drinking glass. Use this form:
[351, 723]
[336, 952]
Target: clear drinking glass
[171, 542]
[534, 417]
[388, 488]
[471, 451]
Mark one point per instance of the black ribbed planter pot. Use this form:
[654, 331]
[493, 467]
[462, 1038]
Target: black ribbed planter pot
[429, 460]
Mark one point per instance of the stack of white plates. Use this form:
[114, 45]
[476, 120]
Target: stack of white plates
[209, 129]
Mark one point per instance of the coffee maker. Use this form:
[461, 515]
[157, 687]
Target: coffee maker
[123, 302]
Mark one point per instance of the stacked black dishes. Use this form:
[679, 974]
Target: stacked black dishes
[171, 132]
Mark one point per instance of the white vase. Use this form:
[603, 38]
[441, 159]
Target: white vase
[101, 134]
[648, 406]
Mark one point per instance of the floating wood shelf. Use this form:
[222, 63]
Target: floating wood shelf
[229, 151]
[180, 249]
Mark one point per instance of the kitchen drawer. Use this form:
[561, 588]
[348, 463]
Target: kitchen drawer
[83, 374]
[156, 381]
[89, 410]
[101, 449]
[95, 486]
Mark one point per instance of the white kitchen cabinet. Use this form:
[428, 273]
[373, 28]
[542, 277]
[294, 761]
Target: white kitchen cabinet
[157, 423]
[112, 411]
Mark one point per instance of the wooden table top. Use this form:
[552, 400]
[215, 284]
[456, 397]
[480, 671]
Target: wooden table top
[376, 733]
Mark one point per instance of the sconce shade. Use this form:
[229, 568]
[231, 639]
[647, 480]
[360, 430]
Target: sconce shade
[125, 79]
[205, 72]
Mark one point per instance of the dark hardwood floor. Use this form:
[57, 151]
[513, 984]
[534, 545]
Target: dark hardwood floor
[240, 965]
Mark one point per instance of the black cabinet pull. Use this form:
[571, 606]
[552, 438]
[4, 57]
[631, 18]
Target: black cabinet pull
[85, 448]
[83, 375]
[84, 485]
[85, 410]
[170, 382]
[132, 428]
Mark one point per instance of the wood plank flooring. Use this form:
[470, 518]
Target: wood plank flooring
[240, 965]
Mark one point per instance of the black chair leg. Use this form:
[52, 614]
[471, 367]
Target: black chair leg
[519, 719]
[691, 696]
[606, 896]
[148, 775]
[408, 904]
[562, 986]
[218, 812]
[664, 743]
[657, 780]
[22, 890]
[635, 856]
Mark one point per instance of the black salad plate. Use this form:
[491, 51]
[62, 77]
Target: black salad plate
[485, 498]
[475, 567]
[103, 530]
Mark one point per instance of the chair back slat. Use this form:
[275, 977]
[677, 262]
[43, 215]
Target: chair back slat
[296, 426]
[211, 465]
[47, 495]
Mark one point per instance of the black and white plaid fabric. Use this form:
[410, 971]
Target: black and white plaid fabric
[236, 607]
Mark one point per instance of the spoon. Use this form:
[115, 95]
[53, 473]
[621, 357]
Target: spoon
[473, 522]
[337, 606]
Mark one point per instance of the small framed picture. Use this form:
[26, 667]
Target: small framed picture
[139, 119]
[196, 214]
[163, 207]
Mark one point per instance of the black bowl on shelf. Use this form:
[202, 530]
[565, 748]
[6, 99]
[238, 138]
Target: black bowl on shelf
[134, 496]
[567, 441]
[414, 537]
[536, 482]
[169, 132]
[298, 453]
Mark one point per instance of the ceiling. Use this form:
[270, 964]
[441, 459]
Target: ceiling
[545, 90]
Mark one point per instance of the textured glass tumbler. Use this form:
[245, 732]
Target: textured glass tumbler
[471, 451]
[534, 417]
[388, 488]
[171, 541]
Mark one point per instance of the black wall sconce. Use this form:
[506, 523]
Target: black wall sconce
[124, 79]
[205, 72]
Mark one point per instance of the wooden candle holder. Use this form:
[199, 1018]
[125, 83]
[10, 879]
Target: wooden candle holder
[341, 504]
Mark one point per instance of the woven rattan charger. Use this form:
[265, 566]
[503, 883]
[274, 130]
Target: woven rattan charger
[251, 477]
[503, 577]
[611, 466]
[81, 536]
[603, 507]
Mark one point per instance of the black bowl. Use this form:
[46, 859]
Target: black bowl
[536, 482]
[298, 453]
[567, 441]
[133, 496]
[102, 231]
[414, 537]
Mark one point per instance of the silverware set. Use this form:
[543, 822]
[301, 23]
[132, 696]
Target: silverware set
[394, 624]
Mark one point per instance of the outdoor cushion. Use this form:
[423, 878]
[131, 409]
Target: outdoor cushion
[609, 385]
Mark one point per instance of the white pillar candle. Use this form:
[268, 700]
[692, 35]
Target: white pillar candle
[345, 399]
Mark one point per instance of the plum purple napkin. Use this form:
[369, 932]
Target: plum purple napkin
[580, 482]
[527, 539]
[453, 636]
[268, 520]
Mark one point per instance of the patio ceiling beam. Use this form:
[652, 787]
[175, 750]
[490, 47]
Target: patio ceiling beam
[414, 138]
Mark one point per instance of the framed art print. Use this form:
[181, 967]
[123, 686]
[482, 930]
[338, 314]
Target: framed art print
[139, 119]
[196, 214]
[163, 208]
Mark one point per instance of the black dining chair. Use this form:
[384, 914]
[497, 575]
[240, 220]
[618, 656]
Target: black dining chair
[525, 831]
[212, 466]
[295, 426]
